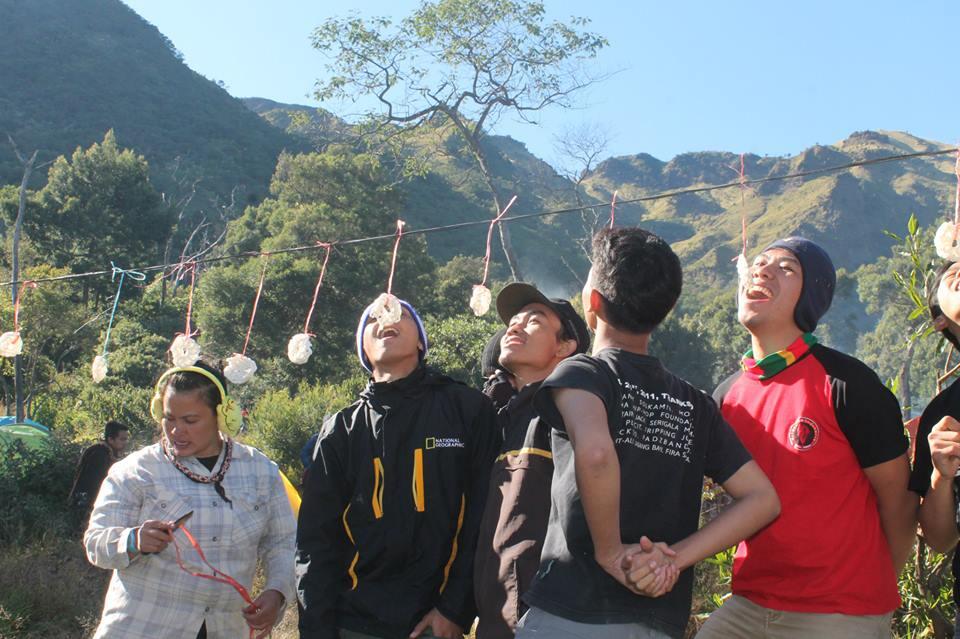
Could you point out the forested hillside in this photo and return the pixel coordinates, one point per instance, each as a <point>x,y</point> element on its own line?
<point>142,161</point>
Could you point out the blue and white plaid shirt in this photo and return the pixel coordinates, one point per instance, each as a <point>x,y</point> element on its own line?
<point>150,597</point>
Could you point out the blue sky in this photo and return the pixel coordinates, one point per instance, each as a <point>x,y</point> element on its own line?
<point>761,77</point>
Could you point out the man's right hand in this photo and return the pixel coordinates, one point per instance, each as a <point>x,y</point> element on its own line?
<point>650,568</point>
<point>153,536</point>
<point>645,568</point>
<point>944,442</point>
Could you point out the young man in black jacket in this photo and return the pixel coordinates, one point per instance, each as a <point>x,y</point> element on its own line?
<point>391,508</point>
<point>540,333</point>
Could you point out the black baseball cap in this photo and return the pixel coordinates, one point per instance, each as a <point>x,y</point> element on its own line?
<point>515,296</point>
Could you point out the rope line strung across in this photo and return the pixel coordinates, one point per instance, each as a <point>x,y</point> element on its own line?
<point>514,218</point>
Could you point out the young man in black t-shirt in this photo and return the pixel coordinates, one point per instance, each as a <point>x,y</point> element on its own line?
<point>937,454</point>
<point>631,445</point>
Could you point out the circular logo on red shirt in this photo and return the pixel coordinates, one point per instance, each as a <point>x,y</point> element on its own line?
<point>804,433</point>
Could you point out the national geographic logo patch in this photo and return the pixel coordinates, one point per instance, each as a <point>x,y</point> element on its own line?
<point>442,442</point>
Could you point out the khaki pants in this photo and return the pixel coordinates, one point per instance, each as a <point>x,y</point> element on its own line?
<point>740,618</point>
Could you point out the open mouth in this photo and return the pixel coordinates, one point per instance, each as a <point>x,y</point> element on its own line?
<point>389,332</point>
<point>758,293</point>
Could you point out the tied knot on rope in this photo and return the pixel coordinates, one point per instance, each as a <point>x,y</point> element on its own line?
<point>115,270</point>
<point>98,369</point>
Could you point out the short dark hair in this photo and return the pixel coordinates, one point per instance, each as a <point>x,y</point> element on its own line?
<point>638,275</point>
<point>933,303</point>
<point>112,428</point>
<point>187,381</point>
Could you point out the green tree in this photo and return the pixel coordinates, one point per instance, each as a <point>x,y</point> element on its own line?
<point>458,63</point>
<point>457,342</point>
<point>900,348</point>
<point>315,198</point>
<point>98,207</point>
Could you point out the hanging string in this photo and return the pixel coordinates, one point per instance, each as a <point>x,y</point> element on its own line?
<point>256,302</point>
<point>493,223</point>
<point>16,305</point>
<point>316,291</point>
<point>743,210</point>
<point>393,260</point>
<point>613,208</point>
<point>134,275</point>
<point>956,198</point>
<point>192,268</point>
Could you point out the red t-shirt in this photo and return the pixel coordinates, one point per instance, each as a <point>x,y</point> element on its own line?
<point>812,428</point>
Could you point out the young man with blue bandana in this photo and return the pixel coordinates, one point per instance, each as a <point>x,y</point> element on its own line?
<point>392,505</point>
<point>828,434</point>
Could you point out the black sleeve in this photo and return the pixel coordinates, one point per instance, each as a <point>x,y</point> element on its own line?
<point>867,412</point>
<point>581,372</point>
<point>457,601</point>
<point>721,391</point>
<point>725,454</point>
<point>946,403</point>
<point>922,462</point>
<point>322,543</point>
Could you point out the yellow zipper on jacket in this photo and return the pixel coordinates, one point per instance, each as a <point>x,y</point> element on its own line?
<point>356,557</point>
<point>377,499</point>
<point>453,549</point>
<point>419,500</point>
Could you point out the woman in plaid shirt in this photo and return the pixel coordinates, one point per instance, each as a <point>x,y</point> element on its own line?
<point>240,514</point>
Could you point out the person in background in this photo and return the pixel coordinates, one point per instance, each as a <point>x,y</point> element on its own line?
<point>94,465</point>
<point>497,382</point>
<point>539,334</point>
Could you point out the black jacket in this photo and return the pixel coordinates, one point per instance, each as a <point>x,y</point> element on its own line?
<point>514,523</point>
<point>91,471</point>
<point>392,506</point>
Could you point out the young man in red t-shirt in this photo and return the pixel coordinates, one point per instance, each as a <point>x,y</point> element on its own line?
<point>828,434</point>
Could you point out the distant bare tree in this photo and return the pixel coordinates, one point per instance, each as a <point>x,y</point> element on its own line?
<point>580,149</point>
<point>460,62</point>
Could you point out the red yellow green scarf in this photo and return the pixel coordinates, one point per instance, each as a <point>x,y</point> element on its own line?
<point>776,362</point>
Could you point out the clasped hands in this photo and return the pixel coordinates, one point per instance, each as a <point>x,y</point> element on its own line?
<point>647,568</point>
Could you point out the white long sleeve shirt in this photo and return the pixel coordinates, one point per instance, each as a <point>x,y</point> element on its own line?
<point>149,596</point>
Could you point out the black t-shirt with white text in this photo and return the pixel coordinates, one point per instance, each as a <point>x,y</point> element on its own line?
<point>668,435</point>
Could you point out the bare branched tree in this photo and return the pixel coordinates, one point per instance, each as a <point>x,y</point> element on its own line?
<point>579,149</point>
<point>460,62</point>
